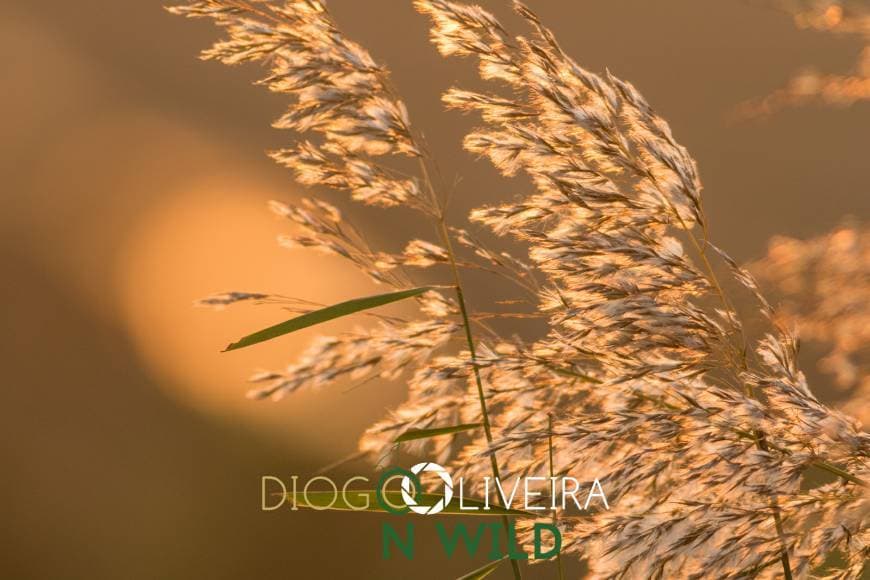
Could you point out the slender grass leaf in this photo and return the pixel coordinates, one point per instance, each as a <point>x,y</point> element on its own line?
<point>413,434</point>
<point>483,571</point>
<point>323,315</point>
<point>328,500</point>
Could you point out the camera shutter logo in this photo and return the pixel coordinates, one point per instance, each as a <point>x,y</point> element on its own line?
<point>441,503</point>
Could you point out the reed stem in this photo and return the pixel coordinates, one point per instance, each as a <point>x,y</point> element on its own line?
<point>487,429</point>
<point>552,476</point>
<point>444,234</point>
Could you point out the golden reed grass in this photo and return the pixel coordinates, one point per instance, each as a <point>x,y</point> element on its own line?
<point>707,435</point>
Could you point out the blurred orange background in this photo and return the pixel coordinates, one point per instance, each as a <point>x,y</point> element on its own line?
<point>134,183</point>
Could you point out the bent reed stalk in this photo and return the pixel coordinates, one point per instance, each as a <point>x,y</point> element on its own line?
<point>444,235</point>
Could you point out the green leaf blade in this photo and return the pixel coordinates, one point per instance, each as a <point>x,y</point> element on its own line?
<point>483,571</point>
<point>413,434</point>
<point>323,315</point>
<point>327,500</point>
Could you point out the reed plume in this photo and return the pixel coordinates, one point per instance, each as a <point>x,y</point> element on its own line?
<point>845,18</point>
<point>823,287</point>
<point>705,434</point>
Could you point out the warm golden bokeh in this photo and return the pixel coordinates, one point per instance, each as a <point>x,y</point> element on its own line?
<point>199,243</point>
